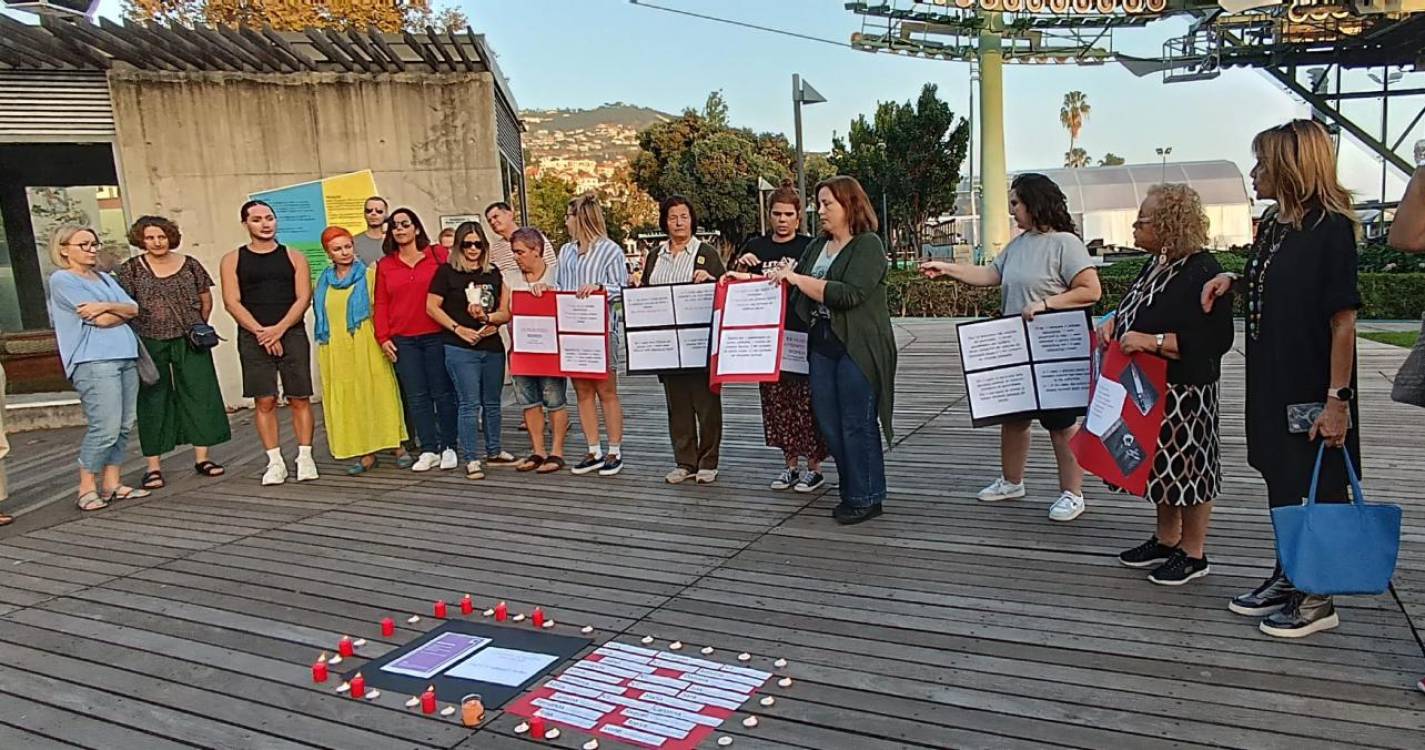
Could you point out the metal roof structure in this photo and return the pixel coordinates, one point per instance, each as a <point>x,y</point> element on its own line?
<point>1124,187</point>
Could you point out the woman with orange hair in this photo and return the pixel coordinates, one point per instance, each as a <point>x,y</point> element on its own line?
<point>361,402</point>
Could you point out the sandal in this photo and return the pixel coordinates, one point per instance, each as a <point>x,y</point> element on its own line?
<point>551,465</point>
<point>127,493</point>
<point>153,480</point>
<point>530,462</point>
<point>207,469</point>
<point>361,467</point>
<point>91,501</point>
<point>6,520</point>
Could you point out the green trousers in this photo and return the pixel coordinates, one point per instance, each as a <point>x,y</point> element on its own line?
<point>185,406</point>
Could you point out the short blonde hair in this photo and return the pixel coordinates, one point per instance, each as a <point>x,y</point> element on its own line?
<point>1179,221</point>
<point>61,237</point>
<point>457,255</point>
<point>588,219</point>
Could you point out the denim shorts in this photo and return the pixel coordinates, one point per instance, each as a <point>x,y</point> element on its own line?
<point>531,391</point>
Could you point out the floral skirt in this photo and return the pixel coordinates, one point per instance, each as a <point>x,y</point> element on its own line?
<point>787,418</point>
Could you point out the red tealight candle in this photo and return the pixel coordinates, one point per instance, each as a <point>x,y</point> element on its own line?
<point>319,669</point>
<point>536,617</point>
<point>502,612</point>
<point>536,727</point>
<point>358,686</point>
<point>388,627</point>
<point>440,608</point>
<point>428,701</point>
<point>344,647</point>
<point>467,606</point>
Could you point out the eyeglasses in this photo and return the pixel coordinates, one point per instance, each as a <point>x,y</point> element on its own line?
<point>1140,223</point>
<point>472,244</point>
<point>402,224</point>
<point>92,247</point>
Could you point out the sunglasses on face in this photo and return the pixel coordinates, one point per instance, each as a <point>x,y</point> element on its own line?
<point>472,244</point>
<point>402,224</point>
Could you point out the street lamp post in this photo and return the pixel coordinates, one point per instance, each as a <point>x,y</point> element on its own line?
<point>802,93</point>
<point>763,187</point>
<point>1163,153</point>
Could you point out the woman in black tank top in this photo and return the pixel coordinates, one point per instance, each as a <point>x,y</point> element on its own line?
<point>267,282</point>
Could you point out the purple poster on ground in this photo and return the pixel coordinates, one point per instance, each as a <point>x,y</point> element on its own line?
<point>436,656</point>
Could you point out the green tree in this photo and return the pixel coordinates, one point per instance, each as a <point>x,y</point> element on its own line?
<point>714,165</point>
<point>1111,159</point>
<point>908,158</point>
<point>1077,158</point>
<point>1073,114</point>
<point>284,15</point>
<point>549,197</point>
<point>818,168</point>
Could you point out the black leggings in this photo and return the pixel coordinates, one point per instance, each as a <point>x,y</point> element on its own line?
<point>1291,489</point>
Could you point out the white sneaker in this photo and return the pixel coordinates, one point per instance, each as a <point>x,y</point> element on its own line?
<point>306,469</point>
<point>473,470</point>
<point>1001,489</point>
<point>707,476</point>
<point>426,462</point>
<point>1068,507</point>
<point>276,474</point>
<point>448,459</point>
<point>677,476</point>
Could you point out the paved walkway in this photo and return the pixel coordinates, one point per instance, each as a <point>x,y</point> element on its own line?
<point>191,619</point>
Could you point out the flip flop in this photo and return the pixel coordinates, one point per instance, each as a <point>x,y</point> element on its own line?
<point>530,462</point>
<point>90,501</point>
<point>551,465</point>
<point>127,493</point>
<point>207,469</point>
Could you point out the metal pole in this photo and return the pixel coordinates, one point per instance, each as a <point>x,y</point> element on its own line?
<point>762,211</point>
<point>994,173</point>
<point>973,203</point>
<point>801,165</point>
<point>1384,137</point>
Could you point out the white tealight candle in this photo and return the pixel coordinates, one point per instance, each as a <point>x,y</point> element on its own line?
<point>785,682</point>
<point>413,619</point>
<point>707,650</point>
<point>521,728</point>
<point>744,656</point>
<point>749,722</point>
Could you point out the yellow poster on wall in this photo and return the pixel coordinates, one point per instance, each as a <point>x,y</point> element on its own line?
<point>306,209</point>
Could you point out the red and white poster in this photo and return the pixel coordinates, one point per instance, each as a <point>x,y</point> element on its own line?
<point>1119,437</point>
<point>643,697</point>
<point>748,328</point>
<point>559,335</point>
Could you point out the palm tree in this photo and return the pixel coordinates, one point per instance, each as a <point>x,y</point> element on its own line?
<point>1076,158</point>
<point>1073,114</point>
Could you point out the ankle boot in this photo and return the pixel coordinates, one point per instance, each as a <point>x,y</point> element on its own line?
<point>1303,615</point>
<point>1272,595</point>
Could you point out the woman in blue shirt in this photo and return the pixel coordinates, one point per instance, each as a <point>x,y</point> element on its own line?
<point>100,355</point>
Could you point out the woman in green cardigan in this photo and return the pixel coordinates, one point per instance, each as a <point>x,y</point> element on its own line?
<point>840,287</point>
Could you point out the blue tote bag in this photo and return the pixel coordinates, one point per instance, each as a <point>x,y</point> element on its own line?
<point>1338,548</point>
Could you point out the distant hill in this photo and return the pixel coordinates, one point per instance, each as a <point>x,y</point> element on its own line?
<point>617,113</point>
<point>586,146</point>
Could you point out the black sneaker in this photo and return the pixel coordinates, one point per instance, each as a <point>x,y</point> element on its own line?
<point>1272,595</point>
<point>590,463</point>
<point>810,481</point>
<point>852,516</point>
<point>1180,569</point>
<point>1149,553</point>
<point>1303,615</point>
<point>612,465</point>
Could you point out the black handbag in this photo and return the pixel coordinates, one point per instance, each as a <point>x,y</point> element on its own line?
<point>202,336</point>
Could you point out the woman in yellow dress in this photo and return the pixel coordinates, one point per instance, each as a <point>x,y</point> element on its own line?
<point>361,402</point>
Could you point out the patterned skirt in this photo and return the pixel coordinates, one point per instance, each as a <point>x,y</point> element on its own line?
<point>787,418</point>
<point>1186,470</point>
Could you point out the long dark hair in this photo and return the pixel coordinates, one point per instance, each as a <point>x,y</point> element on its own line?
<point>1048,207</point>
<point>389,246</point>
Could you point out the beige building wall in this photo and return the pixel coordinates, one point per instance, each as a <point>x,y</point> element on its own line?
<point>193,146</point>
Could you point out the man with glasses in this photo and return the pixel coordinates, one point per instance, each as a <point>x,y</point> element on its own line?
<point>368,243</point>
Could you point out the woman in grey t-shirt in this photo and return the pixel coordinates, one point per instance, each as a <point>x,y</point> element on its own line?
<point>1045,268</point>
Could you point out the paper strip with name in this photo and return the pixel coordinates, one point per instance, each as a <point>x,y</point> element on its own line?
<point>992,343</point>
<point>1059,335</point>
<point>581,315</point>
<point>693,303</point>
<point>641,651</point>
<point>653,350</point>
<point>794,352</point>
<point>557,704</point>
<point>1006,391</point>
<point>648,306</point>
<point>755,303</point>
<point>535,334</point>
<point>1107,406</point>
<point>570,719</point>
<point>1063,385</point>
<point>583,353</point>
<point>663,729</point>
<point>747,351</point>
<point>632,735</point>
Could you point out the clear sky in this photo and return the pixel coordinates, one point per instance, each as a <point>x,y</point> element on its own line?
<point>582,53</point>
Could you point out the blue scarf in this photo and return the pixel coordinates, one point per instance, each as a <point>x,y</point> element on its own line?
<point>358,305</point>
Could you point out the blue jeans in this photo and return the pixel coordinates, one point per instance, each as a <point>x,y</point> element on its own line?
<point>479,376</point>
<point>425,386</point>
<point>108,392</point>
<point>845,408</point>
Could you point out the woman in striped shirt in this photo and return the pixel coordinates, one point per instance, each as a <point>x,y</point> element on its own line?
<point>590,263</point>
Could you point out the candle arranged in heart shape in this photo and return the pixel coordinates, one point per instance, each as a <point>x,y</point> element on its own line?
<point>319,669</point>
<point>439,609</point>
<point>358,686</point>
<point>467,605</point>
<point>428,700</point>
<point>344,647</point>
<point>536,618</point>
<point>388,627</point>
<point>502,612</point>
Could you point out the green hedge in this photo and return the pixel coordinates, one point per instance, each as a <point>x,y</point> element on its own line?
<point>1387,296</point>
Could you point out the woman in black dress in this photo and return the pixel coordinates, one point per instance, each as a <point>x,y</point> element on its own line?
<point>1161,315</point>
<point>1301,346</point>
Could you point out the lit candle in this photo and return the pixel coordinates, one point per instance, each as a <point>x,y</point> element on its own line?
<point>358,686</point>
<point>536,618</point>
<point>319,670</point>
<point>428,700</point>
<point>344,648</point>
<point>388,627</point>
<point>440,609</point>
<point>467,606</point>
<point>502,612</point>
<point>536,727</point>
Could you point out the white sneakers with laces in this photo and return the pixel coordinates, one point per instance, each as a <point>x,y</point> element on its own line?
<point>448,459</point>
<point>1068,507</point>
<point>426,462</point>
<point>276,474</point>
<point>1001,489</point>
<point>306,469</point>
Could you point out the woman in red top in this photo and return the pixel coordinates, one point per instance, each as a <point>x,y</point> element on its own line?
<point>412,340</point>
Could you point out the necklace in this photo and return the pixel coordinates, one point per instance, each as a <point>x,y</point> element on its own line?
<point>1267,246</point>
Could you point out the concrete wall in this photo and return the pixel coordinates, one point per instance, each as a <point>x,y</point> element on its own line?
<point>192,146</point>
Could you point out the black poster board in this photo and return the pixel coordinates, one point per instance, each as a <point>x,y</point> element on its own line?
<point>452,689</point>
<point>1014,368</point>
<point>667,328</point>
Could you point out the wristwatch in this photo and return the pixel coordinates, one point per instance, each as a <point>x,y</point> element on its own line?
<point>1341,394</point>
<point>1161,339</point>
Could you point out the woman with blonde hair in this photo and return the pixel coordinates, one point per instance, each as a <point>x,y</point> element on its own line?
<point>361,402</point>
<point>1161,315</point>
<point>469,299</point>
<point>591,262</point>
<point>100,354</point>
<point>1301,346</point>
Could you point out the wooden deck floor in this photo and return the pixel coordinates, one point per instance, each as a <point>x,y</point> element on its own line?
<point>190,620</point>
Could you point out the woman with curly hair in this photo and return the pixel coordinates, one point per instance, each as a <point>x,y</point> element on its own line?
<point>1045,268</point>
<point>1161,315</point>
<point>185,406</point>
